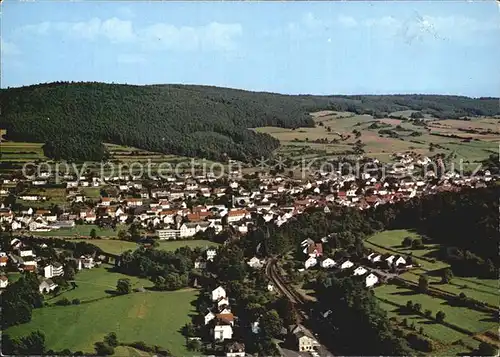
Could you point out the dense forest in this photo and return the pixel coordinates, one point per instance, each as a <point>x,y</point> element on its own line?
<point>349,301</point>
<point>74,119</point>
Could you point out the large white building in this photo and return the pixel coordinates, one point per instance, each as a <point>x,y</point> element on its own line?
<point>186,230</point>
<point>52,270</point>
<point>223,332</point>
<point>167,234</point>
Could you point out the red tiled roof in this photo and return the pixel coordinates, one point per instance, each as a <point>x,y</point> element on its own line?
<point>318,247</point>
<point>229,317</point>
<point>237,213</point>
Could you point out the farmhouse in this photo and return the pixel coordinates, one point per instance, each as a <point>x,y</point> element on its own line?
<point>236,215</point>
<point>134,202</point>
<point>188,230</point>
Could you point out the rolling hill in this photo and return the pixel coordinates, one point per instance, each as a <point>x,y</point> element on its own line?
<point>75,119</point>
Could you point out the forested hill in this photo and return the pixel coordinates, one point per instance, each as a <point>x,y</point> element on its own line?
<point>74,119</point>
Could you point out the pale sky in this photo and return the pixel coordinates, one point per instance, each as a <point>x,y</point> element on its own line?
<point>443,47</point>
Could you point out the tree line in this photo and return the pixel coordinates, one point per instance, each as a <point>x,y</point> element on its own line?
<point>167,270</point>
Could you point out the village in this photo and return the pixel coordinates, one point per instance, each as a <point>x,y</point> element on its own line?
<point>201,207</point>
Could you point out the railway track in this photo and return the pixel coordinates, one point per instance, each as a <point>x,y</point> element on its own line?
<point>283,288</point>
<point>296,298</point>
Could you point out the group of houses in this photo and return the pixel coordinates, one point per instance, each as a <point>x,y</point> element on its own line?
<point>373,268</point>
<point>219,322</point>
<point>20,257</point>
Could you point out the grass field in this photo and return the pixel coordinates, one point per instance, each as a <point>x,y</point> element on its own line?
<point>173,245</point>
<point>479,289</point>
<point>464,317</point>
<point>485,290</point>
<point>152,317</point>
<point>84,230</point>
<point>394,297</point>
<point>126,351</point>
<point>390,242</point>
<point>435,331</point>
<point>98,283</point>
<point>113,246</point>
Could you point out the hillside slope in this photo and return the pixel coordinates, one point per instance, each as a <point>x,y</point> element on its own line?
<point>74,119</point>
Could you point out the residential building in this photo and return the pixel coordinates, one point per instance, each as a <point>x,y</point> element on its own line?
<point>304,339</point>
<point>3,259</point>
<point>346,265</point>
<point>218,293</point>
<point>211,253</point>
<point>255,263</point>
<point>371,280</point>
<point>360,271</point>
<point>209,317</point>
<point>4,281</point>
<point>235,349</point>
<point>310,262</point>
<point>327,263</point>
<point>52,270</point>
<point>223,332</point>
<point>168,234</point>
<point>47,286</point>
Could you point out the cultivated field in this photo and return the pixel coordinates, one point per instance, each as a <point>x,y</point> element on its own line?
<point>333,135</point>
